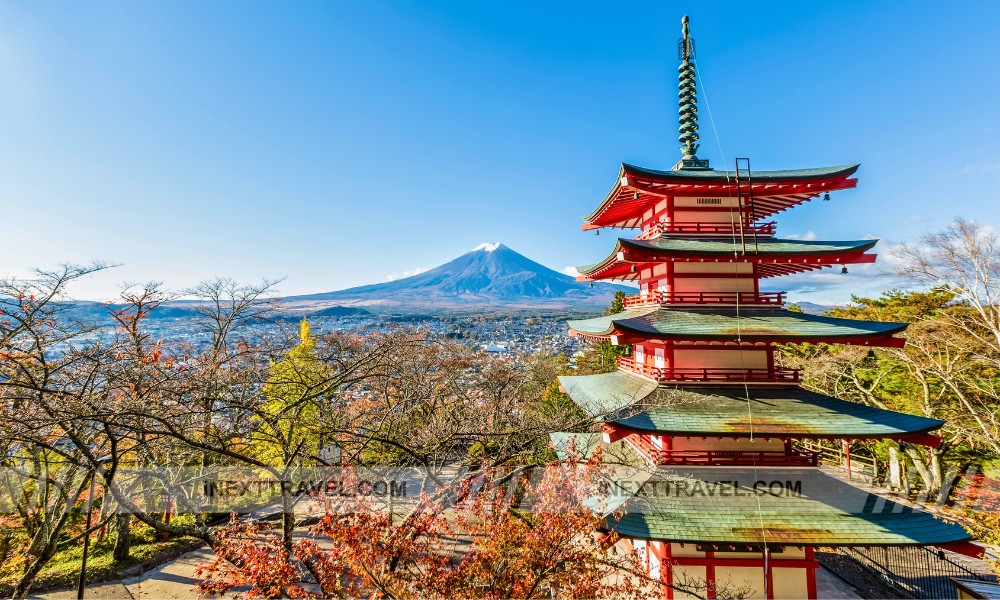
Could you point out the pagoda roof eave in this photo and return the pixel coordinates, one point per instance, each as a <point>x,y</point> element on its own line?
<point>721,505</point>
<point>725,246</point>
<point>784,176</point>
<point>747,324</point>
<point>811,508</point>
<point>637,188</point>
<point>637,404</point>
<point>799,254</point>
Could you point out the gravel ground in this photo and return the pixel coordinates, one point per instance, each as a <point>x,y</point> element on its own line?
<point>868,583</point>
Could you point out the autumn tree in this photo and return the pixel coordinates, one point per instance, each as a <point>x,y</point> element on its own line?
<point>149,420</point>
<point>289,402</point>
<point>500,537</point>
<point>49,373</point>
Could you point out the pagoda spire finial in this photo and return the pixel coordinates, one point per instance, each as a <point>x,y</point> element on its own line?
<point>688,100</point>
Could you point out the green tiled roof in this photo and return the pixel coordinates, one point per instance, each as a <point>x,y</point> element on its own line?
<point>747,505</point>
<point>724,247</point>
<point>640,404</point>
<point>724,323</point>
<point>758,176</point>
<point>599,395</point>
<point>789,506</point>
<point>619,462</point>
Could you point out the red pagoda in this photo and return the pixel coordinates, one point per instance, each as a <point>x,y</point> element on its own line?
<point>730,499</point>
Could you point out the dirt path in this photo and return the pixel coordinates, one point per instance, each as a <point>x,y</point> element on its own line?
<point>169,581</point>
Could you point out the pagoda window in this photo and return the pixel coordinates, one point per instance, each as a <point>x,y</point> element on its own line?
<point>659,358</point>
<point>640,354</point>
<point>681,202</point>
<point>657,441</point>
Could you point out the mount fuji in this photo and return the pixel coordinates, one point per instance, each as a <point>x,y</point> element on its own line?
<point>490,276</point>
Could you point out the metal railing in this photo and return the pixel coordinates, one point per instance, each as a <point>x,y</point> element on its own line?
<point>770,458</point>
<point>656,297</point>
<point>864,468</point>
<point>760,229</point>
<point>714,375</point>
<point>917,571</point>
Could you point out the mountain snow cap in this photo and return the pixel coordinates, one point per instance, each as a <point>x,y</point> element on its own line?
<point>487,247</point>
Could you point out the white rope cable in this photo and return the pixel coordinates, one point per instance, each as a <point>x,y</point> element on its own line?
<point>739,334</point>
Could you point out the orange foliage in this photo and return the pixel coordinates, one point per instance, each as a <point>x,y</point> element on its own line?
<point>488,537</point>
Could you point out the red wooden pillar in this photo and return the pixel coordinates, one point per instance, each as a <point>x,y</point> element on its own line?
<point>811,574</point>
<point>847,457</point>
<point>710,575</point>
<point>768,575</point>
<point>667,572</point>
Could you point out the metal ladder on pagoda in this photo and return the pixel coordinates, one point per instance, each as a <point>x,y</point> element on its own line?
<point>744,180</point>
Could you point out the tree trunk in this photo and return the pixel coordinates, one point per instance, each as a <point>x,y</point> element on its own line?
<point>105,505</point>
<point>31,572</point>
<point>287,521</point>
<point>894,480</point>
<point>932,483</point>
<point>936,469</point>
<point>122,542</point>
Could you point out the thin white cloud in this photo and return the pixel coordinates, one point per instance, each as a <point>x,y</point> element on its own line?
<point>410,273</point>
<point>915,220</point>
<point>831,286</point>
<point>571,271</point>
<point>808,236</point>
<point>981,167</point>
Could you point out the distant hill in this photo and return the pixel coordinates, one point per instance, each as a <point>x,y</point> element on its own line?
<point>489,277</point>
<point>811,308</point>
<point>340,311</point>
<point>100,311</point>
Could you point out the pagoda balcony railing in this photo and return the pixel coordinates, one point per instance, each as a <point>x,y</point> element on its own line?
<point>709,374</point>
<point>749,229</point>
<point>766,458</point>
<point>773,299</point>
<point>736,457</point>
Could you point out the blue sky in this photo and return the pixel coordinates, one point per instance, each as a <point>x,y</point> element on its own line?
<point>343,143</point>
